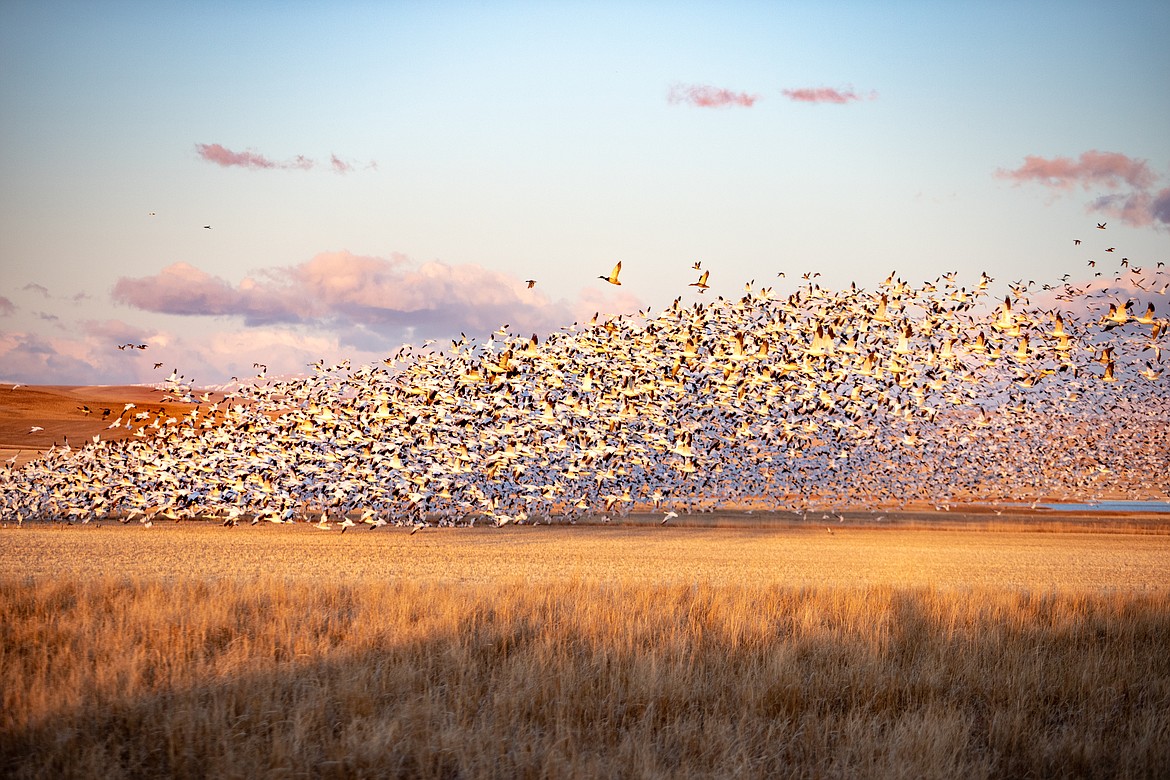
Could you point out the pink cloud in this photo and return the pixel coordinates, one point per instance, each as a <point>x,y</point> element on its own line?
<point>1091,169</point>
<point>824,95</point>
<point>227,158</point>
<point>335,305</point>
<point>709,97</point>
<point>1108,171</point>
<point>90,355</point>
<point>62,359</point>
<point>365,299</point>
<point>179,289</point>
<point>6,307</point>
<point>28,357</point>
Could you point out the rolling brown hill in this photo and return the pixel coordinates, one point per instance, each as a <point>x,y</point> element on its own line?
<point>70,414</point>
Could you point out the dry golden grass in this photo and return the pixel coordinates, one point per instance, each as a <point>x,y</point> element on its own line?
<point>129,677</point>
<point>582,652</point>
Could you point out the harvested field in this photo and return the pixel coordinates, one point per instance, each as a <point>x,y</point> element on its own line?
<point>783,555</point>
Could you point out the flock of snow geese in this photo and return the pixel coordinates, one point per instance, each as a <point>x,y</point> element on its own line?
<point>817,399</point>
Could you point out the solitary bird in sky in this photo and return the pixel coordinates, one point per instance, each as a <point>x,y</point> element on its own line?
<point>702,283</point>
<point>613,275</point>
<point>1076,242</point>
<point>530,282</point>
<point>207,227</point>
<point>1101,225</point>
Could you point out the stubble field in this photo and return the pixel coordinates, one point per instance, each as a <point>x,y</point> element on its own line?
<point>632,651</point>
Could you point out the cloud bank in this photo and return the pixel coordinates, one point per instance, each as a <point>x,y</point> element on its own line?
<point>334,306</point>
<point>226,158</point>
<point>365,299</point>
<point>705,96</point>
<point>58,358</point>
<point>1109,173</point>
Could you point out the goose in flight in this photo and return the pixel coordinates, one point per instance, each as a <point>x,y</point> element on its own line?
<point>702,283</point>
<point>613,275</point>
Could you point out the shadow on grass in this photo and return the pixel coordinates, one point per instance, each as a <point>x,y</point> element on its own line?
<point>694,685</point>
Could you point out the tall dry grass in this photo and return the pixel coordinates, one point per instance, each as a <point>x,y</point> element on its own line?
<point>225,678</point>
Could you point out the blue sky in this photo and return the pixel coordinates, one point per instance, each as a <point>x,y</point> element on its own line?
<point>381,172</point>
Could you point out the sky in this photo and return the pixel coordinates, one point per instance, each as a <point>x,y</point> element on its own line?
<point>282,183</point>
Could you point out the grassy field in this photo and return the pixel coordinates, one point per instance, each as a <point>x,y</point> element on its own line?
<point>583,652</point>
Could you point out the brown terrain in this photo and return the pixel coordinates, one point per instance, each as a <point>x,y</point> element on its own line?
<point>69,414</point>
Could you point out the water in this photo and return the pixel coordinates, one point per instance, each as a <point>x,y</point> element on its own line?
<point>1112,506</point>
